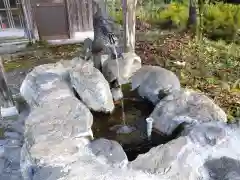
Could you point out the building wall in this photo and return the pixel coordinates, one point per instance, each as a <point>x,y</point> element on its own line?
<point>78,17</point>
<point>11,19</point>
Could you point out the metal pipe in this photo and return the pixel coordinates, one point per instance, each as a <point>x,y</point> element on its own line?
<point>27,25</point>
<point>10,14</point>
<point>7,12</point>
<point>1,22</point>
<point>20,15</point>
<point>149,127</point>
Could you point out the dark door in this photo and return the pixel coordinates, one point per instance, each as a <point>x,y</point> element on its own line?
<point>51,19</point>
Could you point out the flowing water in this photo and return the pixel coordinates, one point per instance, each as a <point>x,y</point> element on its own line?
<point>118,76</point>
<point>111,126</point>
<point>124,128</point>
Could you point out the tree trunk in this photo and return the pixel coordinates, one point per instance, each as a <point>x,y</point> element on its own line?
<point>6,99</point>
<point>129,20</point>
<point>200,8</point>
<point>192,16</point>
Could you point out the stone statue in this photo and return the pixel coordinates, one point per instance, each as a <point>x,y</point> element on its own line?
<point>104,37</point>
<point>105,41</point>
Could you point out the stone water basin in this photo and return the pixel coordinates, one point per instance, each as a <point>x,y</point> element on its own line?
<point>136,111</point>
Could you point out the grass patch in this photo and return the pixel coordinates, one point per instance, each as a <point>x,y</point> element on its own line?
<point>41,54</point>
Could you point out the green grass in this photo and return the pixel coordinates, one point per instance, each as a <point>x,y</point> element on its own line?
<point>41,54</point>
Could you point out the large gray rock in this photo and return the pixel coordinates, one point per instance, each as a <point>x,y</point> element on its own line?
<point>54,134</point>
<point>92,88</point>
<point>159,159</point>
<point>112,151</point>
<point>57,128</point>
<point>39,160</point>
<point>44,83</point>
<point>66,117</point>
<point>190,158</point>
<point>208,133</point>
<point>154,82</point>
<point>49,81</point>
<point>223,168</point>
<point>90,168</point>
<point>185,106</point>
<point>127,65</point>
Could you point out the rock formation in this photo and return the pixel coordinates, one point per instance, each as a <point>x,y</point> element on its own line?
<point>154,83</point>
<point>58,131</point>
<point>92,88</point>
<point>185,106</point>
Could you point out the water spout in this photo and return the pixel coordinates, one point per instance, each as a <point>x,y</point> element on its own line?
<point>149,127</point>
<point>91,135</point>
<point>121,129</point>
<point>88,133</point>
<point>118,77</point>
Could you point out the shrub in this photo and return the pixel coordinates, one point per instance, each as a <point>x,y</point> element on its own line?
<point>116,15</point>
<point>115,10</point>
<point>222,21</point>
<point>175,15</point>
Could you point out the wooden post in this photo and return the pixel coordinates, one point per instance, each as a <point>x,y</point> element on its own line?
<point>7,105</point>
<point>129,20</point>
<point>192,14</point>
<point>6,99</point>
